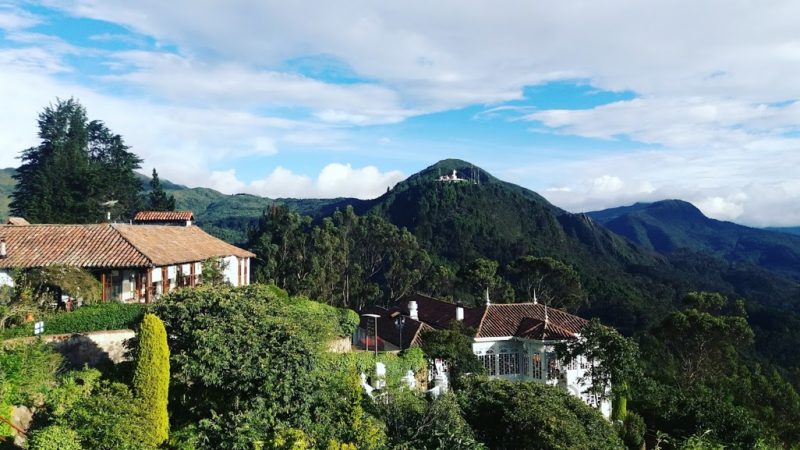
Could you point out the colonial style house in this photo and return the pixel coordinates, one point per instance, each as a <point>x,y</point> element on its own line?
<point>514,341</point>
<point>134,263</point>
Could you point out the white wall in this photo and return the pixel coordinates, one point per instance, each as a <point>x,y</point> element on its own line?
<point>231,270</point>
<point>5,278</point>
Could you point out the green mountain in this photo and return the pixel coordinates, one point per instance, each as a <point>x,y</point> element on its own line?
<point>789,230</point>
<point>671,225</point>
<point>225,216</point>
<point>628,284</point>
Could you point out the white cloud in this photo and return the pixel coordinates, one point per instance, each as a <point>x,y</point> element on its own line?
<point>334,180</point>
<point>720,208</point>
<point>13,18</point>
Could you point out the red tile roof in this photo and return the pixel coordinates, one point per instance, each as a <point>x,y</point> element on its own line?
<point>525,320</point>
<point>109,245</point>
<point>163,216</point>
<point>509,319</point>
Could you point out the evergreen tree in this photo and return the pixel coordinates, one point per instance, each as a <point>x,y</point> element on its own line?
<point>158,199</point>
<point>151,378</point>
<point>77,167</point>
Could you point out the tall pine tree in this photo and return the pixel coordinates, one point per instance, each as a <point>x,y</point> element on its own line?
<point>78,171</point>
<point>158,199</point>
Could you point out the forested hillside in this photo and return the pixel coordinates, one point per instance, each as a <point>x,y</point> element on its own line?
<point>671,225</point>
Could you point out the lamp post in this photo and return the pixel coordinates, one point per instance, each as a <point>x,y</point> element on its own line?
<point>375,317</point>
<point>399,322</point>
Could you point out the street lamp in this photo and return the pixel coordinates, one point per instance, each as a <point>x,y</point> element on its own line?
<point>375,317</point>
<point>399,322</point>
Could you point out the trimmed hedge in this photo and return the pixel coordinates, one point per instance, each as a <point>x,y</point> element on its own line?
<point>103,316</point>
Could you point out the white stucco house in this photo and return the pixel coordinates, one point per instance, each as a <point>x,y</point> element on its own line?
<point>134,262</point>
<point>514,341</point>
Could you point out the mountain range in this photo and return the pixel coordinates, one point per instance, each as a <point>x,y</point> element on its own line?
<point>487,217</point>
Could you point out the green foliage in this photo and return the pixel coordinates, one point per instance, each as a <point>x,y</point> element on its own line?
<point>669,225</point>
<point>615,362</point>
<point>240,369</point>
<point>347,260</point>
<point>102,316</point>
<point>529,415</point>
<point>48,283</point>
<point>339,413</point>
<point>151,377</point>
<point>77,166</point>
<point>157,199</point>
<point>213,271</point>
<point>455,346</point>
<point>632,431</point>
<point>701,343</point>
<point>364,362</point>
<point>28,372</point>
<point>480,278</point>
<point>552,282</point>
<point>54,437</point>
<point>72,387</point>
<point>109,419</point>
<point>416,423</point>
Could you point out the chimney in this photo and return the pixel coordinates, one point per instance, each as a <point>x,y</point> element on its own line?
<point>108,216</point>
<point>413,312</point>
<point>535,300</point>
<point>486,297</point>
<point>3,250</point>
<point>459,313</point>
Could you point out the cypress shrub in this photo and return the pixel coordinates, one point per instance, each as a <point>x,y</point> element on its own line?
<point>54,437</point>
<point>151,377</point>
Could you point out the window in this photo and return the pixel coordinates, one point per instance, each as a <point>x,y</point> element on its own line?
<point>490,363</point>
<point>536,365</point>
<point>509,363</point>
<point>552,366</point>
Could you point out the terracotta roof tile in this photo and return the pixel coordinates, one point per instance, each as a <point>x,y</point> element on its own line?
<point>508,320</point>
<point>163,216</point>
<point>164,244</point>
<point>497,320</point>
<point>87,246</point>
<point>109,245</point>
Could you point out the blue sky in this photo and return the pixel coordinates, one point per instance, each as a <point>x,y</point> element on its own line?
<point>591,105</point>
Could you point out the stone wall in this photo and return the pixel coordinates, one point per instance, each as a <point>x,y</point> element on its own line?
<point>94,349</point>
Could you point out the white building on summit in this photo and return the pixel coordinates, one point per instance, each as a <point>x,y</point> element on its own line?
<point>453,178</point>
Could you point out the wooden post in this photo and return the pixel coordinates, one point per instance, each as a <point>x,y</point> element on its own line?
<point>164,280</point>
<point>192,274</point>
<point>148,288</point>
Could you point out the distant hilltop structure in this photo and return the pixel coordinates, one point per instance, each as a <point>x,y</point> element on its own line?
<point>453,178</point>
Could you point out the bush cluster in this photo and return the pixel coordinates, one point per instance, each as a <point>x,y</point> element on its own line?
<point>104,316</point>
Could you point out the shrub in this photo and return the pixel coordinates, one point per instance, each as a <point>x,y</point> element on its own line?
<point>151,377</point>
<point>506,414</point>
<point>109,419</point>
<point>103,316</point>
<point>54,437</point>
<point>28,372</point>
<point>632,431</point>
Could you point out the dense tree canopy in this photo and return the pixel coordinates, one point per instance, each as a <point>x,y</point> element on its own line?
<point>78,172</point>
<point>157,199</point>
<point>347,260</point>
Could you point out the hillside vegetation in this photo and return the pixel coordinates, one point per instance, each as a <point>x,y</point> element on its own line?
<point>671,225</point>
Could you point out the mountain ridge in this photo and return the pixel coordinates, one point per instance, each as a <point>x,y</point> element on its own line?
<point>670,225</point>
